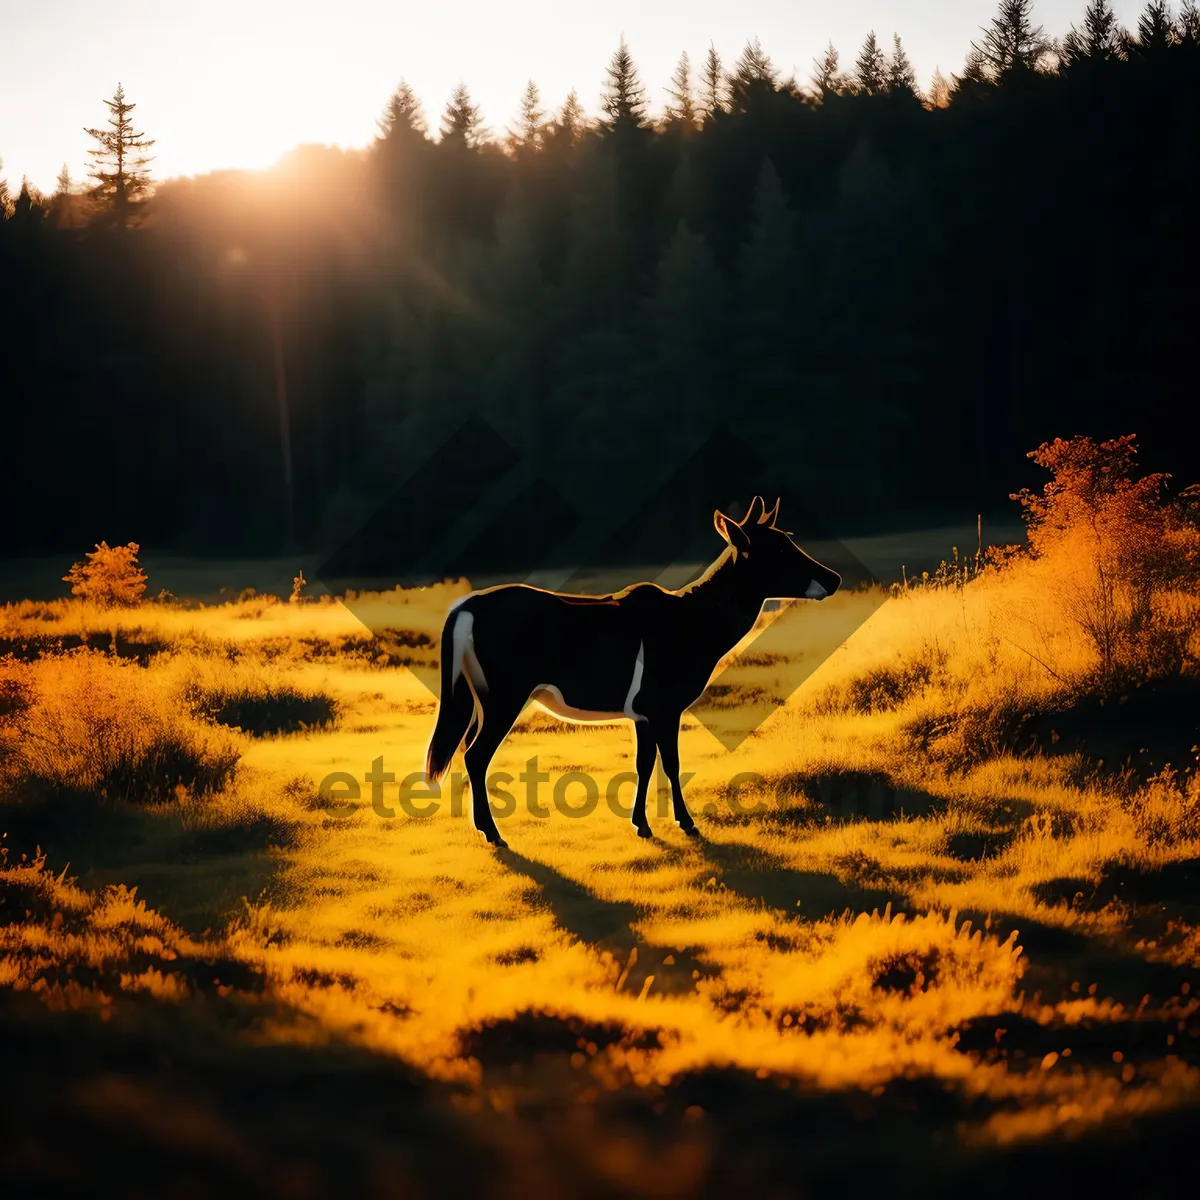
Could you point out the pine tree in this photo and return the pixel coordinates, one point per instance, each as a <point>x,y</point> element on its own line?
<point>571,122</point>
<point>870,68</point>
<point>828,79</point>
<point>29,206</point>
<point>682,319</point>
<point>753,76</point>
<point>1012,46</point>
<point>402,118</point>
<point>712,86</point>
<point>462,122</point>
<point>1189,23</point>
<point>939,90</point>
<point>686,197</point>
<point>1156,31</point>
<point>64,199</point>
<point>4,201</point>
<point>1099,40</point>
<point>681,108</point>
<point>514,290</point>
<point>531,121</point>
<point>974,77</point>
<point>767,291</point>
<point>901,78</point>
<point>121,150</point>
<point>624,99</point>
<point>597,317</point>
<point>400,158</point>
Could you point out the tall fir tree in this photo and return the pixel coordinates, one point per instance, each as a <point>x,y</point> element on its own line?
<point>1012,46</point>
<point>766,294</point>
<point>939,90</point>
<point>681,100</point>
<point>686,197</point>
<point>683,321</point>
<point>901,78</point>
<point>570,117</point>
<point>29,206</point>
<point>1188,23</point>
<point>530,128</point>
<point>517,324</point>
<point>870,68</point>
<point>624,98</point>
<point>462,121</point>
<point>402,117</point>
<point>754,77</point>
<point>64,200</point>
<point>1099,40</point>
<point>121,168</point>
<point>974,78</point>
<point>1156,31</point>
<point>400,159</point>
<point>827,78</point>
<point>713,93</point>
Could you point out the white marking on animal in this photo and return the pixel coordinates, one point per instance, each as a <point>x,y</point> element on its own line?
<point>635,685</point>
<point>464,653</point>
<point>815,591</point>
<point>551,699</point>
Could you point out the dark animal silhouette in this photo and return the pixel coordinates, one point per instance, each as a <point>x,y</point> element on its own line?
<point>644,654</point>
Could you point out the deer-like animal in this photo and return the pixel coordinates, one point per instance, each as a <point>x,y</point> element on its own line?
<point>644,655</point>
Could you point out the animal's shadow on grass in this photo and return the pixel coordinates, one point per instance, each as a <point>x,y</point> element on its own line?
<point>607,926</point>
<point>760,877</point>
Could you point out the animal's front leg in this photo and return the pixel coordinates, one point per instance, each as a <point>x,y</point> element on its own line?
<point>646,752</point>
<point>668,748</point>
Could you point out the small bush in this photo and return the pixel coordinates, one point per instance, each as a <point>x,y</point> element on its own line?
<point>1126,566</point>
<point>108,728</point>
<point>1167,809</point>
<point>109,576</point>
<point>886,687</point>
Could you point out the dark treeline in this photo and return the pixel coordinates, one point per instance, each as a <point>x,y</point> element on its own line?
<point>890,295</point>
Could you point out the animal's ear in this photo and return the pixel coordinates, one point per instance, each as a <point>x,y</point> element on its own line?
<point>755,512</point>
<point>731,531</point>
<point>768,518</point>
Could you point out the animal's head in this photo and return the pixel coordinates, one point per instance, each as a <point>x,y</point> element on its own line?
<point>771,564</point>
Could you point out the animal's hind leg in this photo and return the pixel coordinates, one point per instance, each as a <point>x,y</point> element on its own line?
<point>495,720</point>
<point>668,749</point>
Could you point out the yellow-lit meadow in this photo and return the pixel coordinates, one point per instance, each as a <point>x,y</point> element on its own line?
<point>900,890</point>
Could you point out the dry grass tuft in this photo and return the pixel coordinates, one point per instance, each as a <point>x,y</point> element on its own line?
<point>89,724</point>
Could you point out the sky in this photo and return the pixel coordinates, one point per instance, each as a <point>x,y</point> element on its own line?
<point>237,83</point>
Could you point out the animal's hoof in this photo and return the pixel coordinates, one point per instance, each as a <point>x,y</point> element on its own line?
<point>494,839</point>
<point>692,831</point>
<point>643,831</point>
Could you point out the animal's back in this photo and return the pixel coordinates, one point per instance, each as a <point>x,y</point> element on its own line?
<point>580,651</point>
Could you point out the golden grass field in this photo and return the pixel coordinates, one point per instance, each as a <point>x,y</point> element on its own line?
<point>947,936</point>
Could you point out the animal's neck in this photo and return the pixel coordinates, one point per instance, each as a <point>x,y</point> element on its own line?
<point>730,608</point>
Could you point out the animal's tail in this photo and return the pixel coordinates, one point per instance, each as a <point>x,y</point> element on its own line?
<point>456,706</point>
